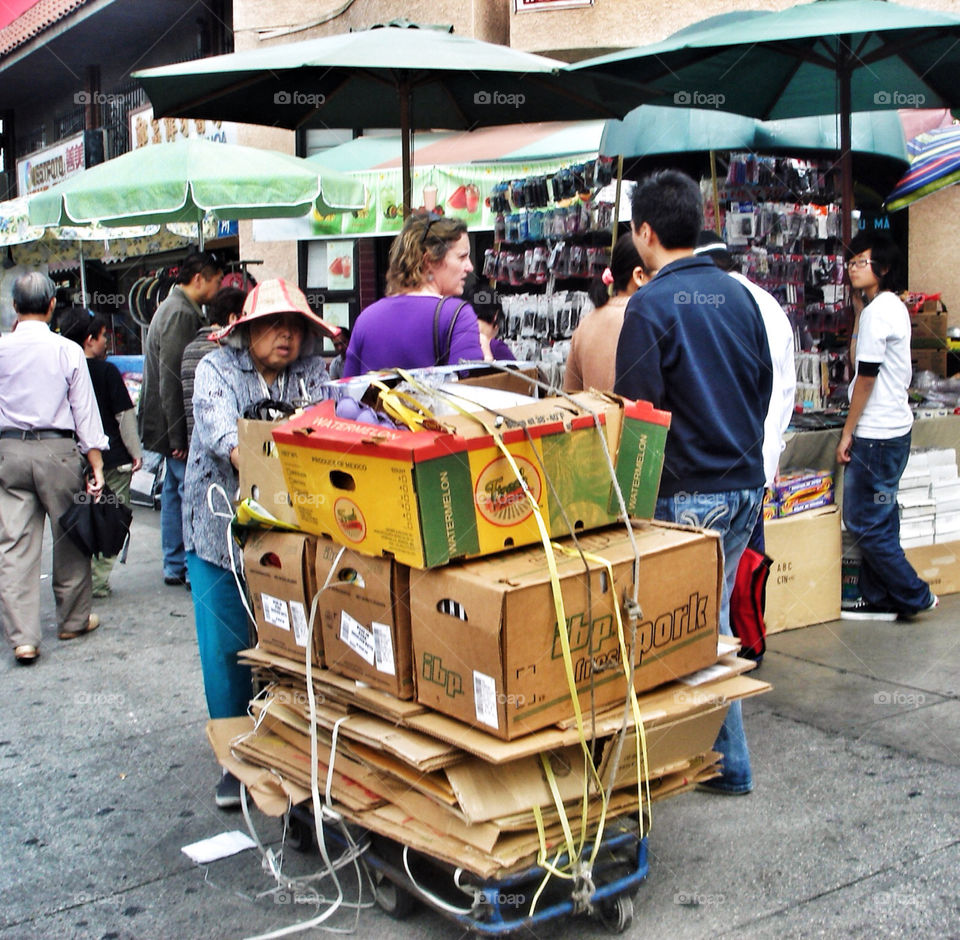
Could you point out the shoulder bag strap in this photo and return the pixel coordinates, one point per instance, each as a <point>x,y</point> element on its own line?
<point>449,339</point>
<point>436,334</point>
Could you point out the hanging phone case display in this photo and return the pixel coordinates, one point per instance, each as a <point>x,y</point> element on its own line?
<point>548,229</point>
<point>781,220</point>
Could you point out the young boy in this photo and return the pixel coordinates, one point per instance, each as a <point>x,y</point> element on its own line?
<point>117,414</point>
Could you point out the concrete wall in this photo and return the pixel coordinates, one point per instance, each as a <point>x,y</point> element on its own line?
<point>935,248</point>
<point>578,32</point>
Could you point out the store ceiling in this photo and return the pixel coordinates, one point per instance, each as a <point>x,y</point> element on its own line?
<point>119,36</point>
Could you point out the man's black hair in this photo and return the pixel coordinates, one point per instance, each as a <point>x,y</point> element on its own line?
<point>670,203</point>
<point>204,263</point>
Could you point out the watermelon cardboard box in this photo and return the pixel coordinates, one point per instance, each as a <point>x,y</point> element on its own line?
<point>429,497</point>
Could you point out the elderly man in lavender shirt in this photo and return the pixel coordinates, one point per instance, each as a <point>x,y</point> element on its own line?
<point>48,418</point>
<point>421,322</point>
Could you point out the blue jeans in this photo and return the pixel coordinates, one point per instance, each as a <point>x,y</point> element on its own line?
<point>733,514</point>
<point>870,483</point>
<point>222,631</point>
<point>171,519</point>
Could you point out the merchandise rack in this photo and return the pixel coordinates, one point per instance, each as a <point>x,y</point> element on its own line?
<point>401,878</point>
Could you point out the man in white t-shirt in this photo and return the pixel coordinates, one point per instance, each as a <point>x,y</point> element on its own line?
<point>875,442</point>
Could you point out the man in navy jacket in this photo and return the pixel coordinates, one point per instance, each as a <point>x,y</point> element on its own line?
<point>693,343</point>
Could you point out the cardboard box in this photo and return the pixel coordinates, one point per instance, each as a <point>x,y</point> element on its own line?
<point>364,616</point>
<point>261,474</point>
<point>804,583</point>
<point>928,331</point>
<point>429,497</point>
<point>933,360</point>
<point>938,565</point>
<point>486,645</point>
<point>279,569</point>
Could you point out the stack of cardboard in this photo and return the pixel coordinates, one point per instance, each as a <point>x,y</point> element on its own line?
<point>453,791</point>
<point>446,692</point>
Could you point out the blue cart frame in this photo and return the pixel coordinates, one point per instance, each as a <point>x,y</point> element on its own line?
<point>621,865</point>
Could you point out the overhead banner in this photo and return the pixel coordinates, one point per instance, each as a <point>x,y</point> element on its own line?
<point>459,191</point>
<point>145,129</point>
<point>46,168</point>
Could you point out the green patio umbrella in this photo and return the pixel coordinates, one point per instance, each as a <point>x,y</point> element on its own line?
<point>820,58</point>
<point>185,180</point>
<point>652,129</point>
<point>385,77</point>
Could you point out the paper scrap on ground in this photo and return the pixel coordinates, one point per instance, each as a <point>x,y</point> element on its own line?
<point>219,846</point>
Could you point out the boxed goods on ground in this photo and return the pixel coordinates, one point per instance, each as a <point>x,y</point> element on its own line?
<point>364,618</point>
<point>938,565</point>
<point>261,474</point>
<point>279,569</point>
<point>431,496</point>
<point>932,360</point>
<point>804,583</point>
<point>928,331</point>
<point>487,649</point>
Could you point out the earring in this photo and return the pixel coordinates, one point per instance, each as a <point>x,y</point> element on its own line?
<point>429,277</point>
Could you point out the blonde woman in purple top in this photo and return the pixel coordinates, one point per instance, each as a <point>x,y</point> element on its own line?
<point>429,260</point>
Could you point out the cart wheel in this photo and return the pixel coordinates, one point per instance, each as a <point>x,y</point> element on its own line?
<point>616,914</point>
<point>299,835</point>
<point>390,897</point>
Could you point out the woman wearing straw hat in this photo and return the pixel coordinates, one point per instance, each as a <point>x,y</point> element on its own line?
<point>421,322</point>
<point>267,354</point>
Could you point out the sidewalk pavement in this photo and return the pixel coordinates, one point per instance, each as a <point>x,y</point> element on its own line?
<point>853,829</point>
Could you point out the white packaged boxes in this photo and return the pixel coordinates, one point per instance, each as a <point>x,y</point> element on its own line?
<point>929,498</point>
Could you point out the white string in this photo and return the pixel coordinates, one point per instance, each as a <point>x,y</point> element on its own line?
<point>213,490</point>
<point>333,756</point>
<point>439,902</point>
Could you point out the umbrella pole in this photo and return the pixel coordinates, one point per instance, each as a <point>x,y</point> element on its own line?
<point>200,231</point>
<point>404,93</point>
<point>83,279</point>
<point>846,154</point>
<point>616,210</point>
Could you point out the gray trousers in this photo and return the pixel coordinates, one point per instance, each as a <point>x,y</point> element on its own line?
<point>38,479</point>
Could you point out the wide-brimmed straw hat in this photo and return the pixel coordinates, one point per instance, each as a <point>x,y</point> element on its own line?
<point>277,296</point>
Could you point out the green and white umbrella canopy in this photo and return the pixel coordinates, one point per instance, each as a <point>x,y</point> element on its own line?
<point>188,179</point>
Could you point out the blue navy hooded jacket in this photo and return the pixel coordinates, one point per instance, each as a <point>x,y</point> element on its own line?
<point>693,343</point>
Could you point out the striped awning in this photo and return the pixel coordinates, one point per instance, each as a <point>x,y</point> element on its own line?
<point>934,165</point>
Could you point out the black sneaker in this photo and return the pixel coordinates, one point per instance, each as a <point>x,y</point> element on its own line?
<point>863,610</point>
<point>228,791</point>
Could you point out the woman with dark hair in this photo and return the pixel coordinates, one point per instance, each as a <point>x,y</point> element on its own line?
<point>489,313</point>
<point>875,442</point>
<point>269,353</point>
<point>420,322</point>
<point>593,347</point>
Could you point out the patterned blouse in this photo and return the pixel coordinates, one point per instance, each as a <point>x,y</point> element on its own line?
<point>226,384</point>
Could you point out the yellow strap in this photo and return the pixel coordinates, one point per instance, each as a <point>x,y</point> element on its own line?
<point>643,777</point>
<point>406,409</point>
<point>249,513</point>
<point>591,775</point>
